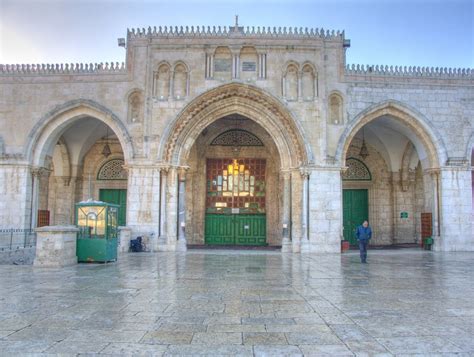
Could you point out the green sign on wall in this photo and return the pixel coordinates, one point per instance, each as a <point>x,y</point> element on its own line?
<point>403,214</point>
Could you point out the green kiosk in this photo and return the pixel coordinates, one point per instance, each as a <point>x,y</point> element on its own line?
<point>98,227</point>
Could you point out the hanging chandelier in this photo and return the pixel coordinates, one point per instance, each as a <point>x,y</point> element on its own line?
<point>363,153</point>
<point>106,150</point>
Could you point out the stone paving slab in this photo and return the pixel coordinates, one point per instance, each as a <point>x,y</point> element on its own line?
<point>405,302</point>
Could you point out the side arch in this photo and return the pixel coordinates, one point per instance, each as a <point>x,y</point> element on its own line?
<point>410,118</point>
<point>48,128</point>
<point>235,98</point>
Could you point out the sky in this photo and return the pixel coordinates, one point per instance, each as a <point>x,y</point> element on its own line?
<point>438,33</point>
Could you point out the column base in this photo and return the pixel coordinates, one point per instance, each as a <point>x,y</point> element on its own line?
<point>181,246</point>
<point>286,245</point>
<point>305,247</point>
<point>296,245</point>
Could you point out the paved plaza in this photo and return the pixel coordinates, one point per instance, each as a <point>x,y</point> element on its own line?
<point>243,303</point>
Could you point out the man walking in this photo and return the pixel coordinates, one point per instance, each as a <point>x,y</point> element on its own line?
<point>363,235</point>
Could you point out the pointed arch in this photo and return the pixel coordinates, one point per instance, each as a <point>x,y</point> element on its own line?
<point>408,117</point>
<point>235,98</point>
<point>50,126</point>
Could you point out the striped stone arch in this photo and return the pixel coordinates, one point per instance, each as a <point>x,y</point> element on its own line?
<point>242,99</point>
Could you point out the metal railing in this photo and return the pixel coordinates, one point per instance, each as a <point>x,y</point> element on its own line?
<point>14,239</point>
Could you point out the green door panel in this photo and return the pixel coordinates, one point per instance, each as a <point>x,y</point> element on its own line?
<point>119,197</point>
<point>235,229</point>
<point>250,229</point>
<point>219,229</point>
<point>355,210</point>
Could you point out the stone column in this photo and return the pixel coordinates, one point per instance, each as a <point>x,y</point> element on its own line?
<point>181,210</point>
<point>143,202</point>
<point>163,225</point>
<point>304,211</point>
<point>325,210</point>
<point>286,242</point>
<point>36,174</point>
<point>435,181</point>
<point>455,207</point>
<point>262,63</point>
<point>172,209</point>
<point>235,62</point>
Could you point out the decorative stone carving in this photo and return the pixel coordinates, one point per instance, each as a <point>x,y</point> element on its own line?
<point>112,170</point>
<point>356,171</point>
<point>237,138</point>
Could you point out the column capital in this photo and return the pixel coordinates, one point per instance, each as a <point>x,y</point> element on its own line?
<point>39,171</point>
<point>305,172</point>
<point>285,174</point>
<point>182,173</point>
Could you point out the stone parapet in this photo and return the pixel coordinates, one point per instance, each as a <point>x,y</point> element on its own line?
<point>56,246</point>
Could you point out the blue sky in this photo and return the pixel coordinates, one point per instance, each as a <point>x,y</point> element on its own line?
<point>392,32</point>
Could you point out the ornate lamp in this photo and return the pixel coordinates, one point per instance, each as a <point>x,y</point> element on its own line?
<point>106,150</point>
<point>363,153</point>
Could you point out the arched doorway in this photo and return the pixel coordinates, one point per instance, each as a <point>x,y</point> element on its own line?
<point>187,148</point>
<point>233,185</point>
<point>393,176</point>
<point>78,154</point>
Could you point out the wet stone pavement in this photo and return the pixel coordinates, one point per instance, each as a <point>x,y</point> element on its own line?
<point>404,302</point>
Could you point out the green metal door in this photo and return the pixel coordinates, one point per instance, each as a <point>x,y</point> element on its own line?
<point>355,210</point>
<point>235,202</point>
<point>118,197</point>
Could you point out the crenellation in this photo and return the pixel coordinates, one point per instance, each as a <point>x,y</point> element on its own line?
<point>62,68</point>
<point>410,71</point>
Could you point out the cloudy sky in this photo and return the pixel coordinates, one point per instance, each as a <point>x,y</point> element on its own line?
<point>393,32</point>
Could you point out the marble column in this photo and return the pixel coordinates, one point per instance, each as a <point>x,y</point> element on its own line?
<point>181,209</point>
<point>172,208</point>
<point>286,242</point>
<point>304,211</point>
<point>164,175</point>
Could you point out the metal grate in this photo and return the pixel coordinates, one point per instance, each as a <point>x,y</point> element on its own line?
<point>235,184</point>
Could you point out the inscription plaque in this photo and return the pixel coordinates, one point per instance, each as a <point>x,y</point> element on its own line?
<point>249,66</point>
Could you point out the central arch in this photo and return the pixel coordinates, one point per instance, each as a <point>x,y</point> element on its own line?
<point>201,115</point>
<point>241,99</point>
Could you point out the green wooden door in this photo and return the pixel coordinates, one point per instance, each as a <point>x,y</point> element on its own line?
<point>355,210</point>
<point>235,229</point>
<point>119,197</point>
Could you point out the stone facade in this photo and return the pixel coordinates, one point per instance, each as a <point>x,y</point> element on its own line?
<point>182,87</point>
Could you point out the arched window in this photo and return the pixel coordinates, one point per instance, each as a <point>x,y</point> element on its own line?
<point>222,63</point>
<point>356,171</point>
<point>308,83</point>
<point>291,82</point>
<point>112,170</point>
<point>135,107</point>
<point>248,63</point>
<point>336,109</point>
<point>180,80</point>
<point>161,85</point>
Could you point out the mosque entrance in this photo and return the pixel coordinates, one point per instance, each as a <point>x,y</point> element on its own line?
<point>355,210</point>
<point>235,202</point>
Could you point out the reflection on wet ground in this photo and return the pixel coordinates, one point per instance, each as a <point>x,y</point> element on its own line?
<point>243,303</point>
